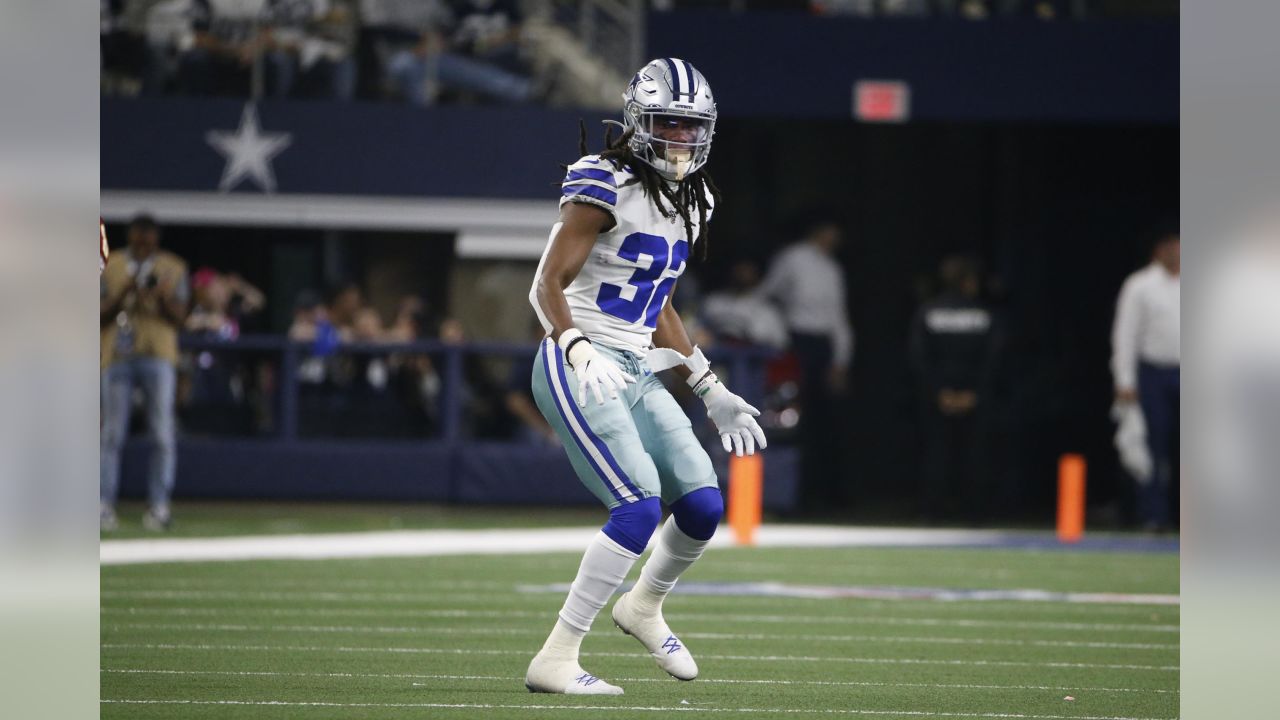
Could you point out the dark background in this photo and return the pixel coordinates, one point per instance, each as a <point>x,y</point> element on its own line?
<point>1046,150</point>
<point>1058,215</point>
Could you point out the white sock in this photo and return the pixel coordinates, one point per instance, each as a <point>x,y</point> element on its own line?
<point>672,555</point>
<point>604,566</point>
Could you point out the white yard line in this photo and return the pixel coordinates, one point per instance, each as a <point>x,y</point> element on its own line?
<point>718,681</point>
<point>713,617</point>
<point>521,653</point>
<point>1002,607</point>
<point>399,630</point>
<point>422,543</point>
<point>614,708</point>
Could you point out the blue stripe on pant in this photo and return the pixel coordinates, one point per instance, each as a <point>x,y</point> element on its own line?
<point>638,445</point>
<point>591,448</point>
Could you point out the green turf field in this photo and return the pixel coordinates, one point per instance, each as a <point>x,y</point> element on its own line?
<point>450,637</point>
<point>230,518</point>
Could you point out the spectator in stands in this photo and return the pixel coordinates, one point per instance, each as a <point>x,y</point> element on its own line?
<point>123,47</point>
<point>807,283</point>
<point>314,39</point>
<point>167,26</point>
<point>488,31</point>
<point>311,324</point>
<point>144,297</point>
<point>345,300</point>
<point>364,382</point>
<point>739,313</point>
<point>982,9</point>
<point>221,302</point>
<point>519,398</point>
<point>416,380</point>
<point>213,389</point>
<point>482,398</point>
<point>310,319</point>
<point>409,321</point>
<point>868,8</point>
<point>358,369</point>
<point>424,48</point>
<point>954,348</point>
<point>1145,364</point>
<point>366,326</point>
<point>326,53</point>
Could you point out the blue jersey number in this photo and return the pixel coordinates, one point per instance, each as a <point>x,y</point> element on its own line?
<point>650,295</point>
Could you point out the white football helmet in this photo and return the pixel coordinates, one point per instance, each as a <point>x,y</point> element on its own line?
<point>666,95</point>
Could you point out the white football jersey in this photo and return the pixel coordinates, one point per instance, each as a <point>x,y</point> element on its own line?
<point>630,273</point>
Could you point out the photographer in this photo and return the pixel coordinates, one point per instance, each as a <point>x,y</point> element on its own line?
<point>145,294</point>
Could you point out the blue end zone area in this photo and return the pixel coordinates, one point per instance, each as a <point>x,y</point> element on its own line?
<point>888,592</point>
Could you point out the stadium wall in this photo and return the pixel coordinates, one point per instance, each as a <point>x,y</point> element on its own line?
<point>488,473</point>
<point>768,64</point>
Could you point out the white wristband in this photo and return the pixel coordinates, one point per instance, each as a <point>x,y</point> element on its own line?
<point>575,346</point>
<point>703,385</point>
<point>567,337</point>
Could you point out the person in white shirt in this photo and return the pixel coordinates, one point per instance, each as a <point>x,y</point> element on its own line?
<point>807,283</point>
<point>738,313</point>
<point>1145,365</point>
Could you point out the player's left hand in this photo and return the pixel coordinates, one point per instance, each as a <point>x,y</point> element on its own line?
<point>734,417</point>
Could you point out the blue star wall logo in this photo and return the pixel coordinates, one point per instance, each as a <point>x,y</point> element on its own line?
<point>248,151</point>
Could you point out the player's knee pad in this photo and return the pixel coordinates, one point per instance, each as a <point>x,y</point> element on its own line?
<point>632,524</point>
<point>698,513</point>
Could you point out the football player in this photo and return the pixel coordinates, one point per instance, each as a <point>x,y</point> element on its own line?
<point>629,218</point>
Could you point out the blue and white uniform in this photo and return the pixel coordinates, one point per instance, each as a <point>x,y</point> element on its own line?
<point>641,444</point>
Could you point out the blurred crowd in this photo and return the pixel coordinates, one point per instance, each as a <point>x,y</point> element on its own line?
<point>417,51</point>
<point>421,52</point>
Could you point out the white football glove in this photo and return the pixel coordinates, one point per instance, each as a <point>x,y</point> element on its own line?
<point>594,371</point>
<point>733,416</point>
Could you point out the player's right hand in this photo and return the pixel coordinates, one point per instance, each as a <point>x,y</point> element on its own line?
<point>595,372</point>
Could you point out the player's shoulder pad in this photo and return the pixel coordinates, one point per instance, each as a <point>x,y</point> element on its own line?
<point>593,180</point>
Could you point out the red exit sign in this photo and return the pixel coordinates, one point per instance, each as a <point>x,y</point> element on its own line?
<point>881,101</point>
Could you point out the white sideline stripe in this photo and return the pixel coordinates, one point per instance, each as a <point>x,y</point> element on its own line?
<point>521,653</point>
<point>324,584</point>
<point>390,630</point>
<point>424,543</point>
<point>719,681</point>
<point>633,708</point>
<point>565,400</point>
<point>778,619</point>
<point>319,596</point>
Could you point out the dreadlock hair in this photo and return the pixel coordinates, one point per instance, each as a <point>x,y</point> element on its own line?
<point>688,195</point>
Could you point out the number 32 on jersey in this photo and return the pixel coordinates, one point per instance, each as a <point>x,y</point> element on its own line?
<point>650,294</point>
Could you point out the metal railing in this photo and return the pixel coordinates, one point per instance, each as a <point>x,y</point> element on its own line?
<point>744,368</point>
